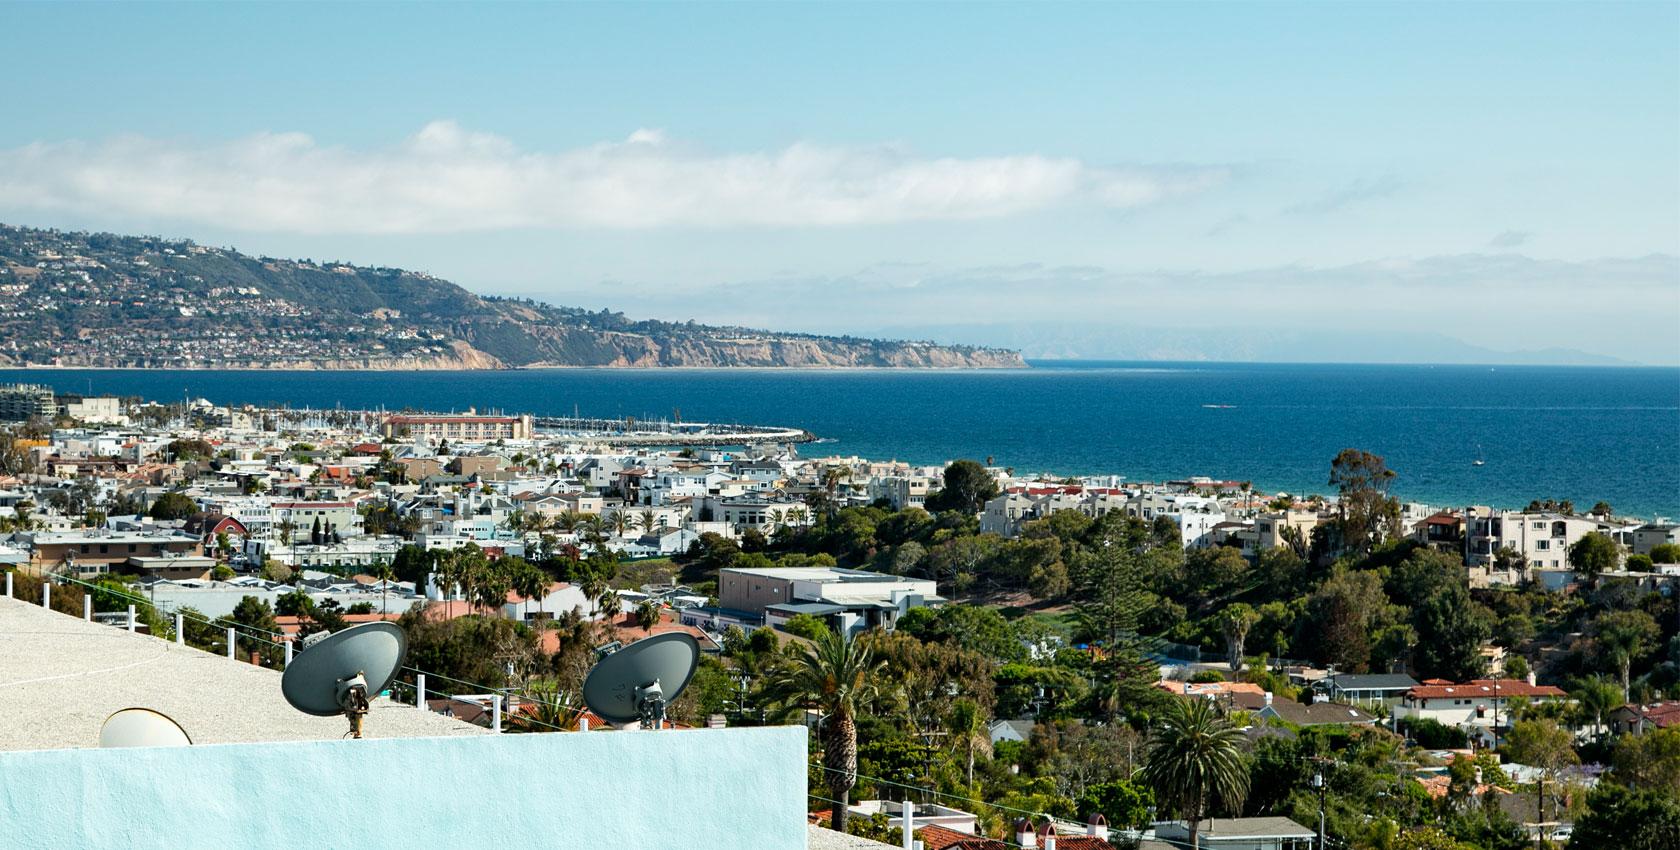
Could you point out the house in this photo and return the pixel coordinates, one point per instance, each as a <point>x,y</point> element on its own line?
<point>1649,536</point>
<point>1319,713</point>
<point>173,568</point>
<point>1366,688</point>
<point>1638,719</point>
<point>1046,836</point>
<point>1542,539</point>
<point>1011,730</point>
<point>1264,833</point>
<point>1479,707</point>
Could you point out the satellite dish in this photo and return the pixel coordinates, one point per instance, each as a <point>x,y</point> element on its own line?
<point>142,727</point>
<point>336,674</point>
<point>636,682</point>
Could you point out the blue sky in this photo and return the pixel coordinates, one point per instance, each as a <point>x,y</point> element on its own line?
<point>1163,166</point>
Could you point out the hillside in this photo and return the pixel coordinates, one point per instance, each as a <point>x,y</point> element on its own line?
<point>101,300</point>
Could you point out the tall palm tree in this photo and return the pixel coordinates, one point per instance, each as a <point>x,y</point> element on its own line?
<point>648,520</point>
<point>835,675</point>
<point>796,515</point>
<point>386,576</point>
<point>1195,762</point>
<point>594,587</point>
<point>530,582</point>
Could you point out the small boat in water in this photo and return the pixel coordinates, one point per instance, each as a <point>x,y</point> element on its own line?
<point>1220,406</point>
<point>1479,461</point>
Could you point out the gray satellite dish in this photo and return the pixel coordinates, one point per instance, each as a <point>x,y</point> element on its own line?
<point>636,682</point>
<point>337,674</point>
<point>142,727</point>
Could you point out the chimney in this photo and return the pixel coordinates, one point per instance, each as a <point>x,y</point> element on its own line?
<point>1024,834</point>
<point>1097,827</point>
<point>1268,697</point>
<point>1047,835</point>
<point>1531,678</point>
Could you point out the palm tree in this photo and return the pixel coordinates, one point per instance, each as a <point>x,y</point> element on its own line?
<point>778,519</point>
<point>620,521</point>
<point>835,675</point>
<point>1195,762</point>
<point>796,515</point>
<point>1596,697</point>
<point>386,576</point>
<point>530,582</point>
<point>648,520</point>
<point>594,587</point>
<point>609,603</point>
<point>647,615</point>
<point>568,521</point>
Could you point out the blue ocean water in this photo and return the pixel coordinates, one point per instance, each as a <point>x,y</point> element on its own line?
<point>1545,432</point>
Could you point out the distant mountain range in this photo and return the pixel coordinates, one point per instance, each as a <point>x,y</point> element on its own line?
<point>102,300</point>
<point>1083,341</point>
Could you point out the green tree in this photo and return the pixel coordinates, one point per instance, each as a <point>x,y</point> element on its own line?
<point>1123,804</point>
<point>172,506</point>
<point>1623,637</point>
<point>647,615</point>
<point>1595,698</point>
<point>1649,761</point>
<point>1666,553</point>
<point>1451,629</point>
<point>806,626</point>
<point>966,489</point>
<point>1369,515</point>
<point>836,676</point>
<point>1236,621</point>
<point>1593,554</point>
<point>258,628</point>
<point>1627,820</point>
<point>1195,763</point>
<point>1540,743</point>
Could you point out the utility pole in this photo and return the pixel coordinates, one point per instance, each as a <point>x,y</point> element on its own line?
<point>1540,805</point>
<point>1318,782</point>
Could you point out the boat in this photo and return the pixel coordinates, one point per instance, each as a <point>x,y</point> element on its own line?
<point>1220,406</point>
<point>1479,461</point>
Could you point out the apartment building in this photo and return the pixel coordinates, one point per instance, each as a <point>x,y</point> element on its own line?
<point>467,428</point>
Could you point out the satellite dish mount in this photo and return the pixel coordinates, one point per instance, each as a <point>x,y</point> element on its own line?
<point>339,674</point>
<point>632,687</point>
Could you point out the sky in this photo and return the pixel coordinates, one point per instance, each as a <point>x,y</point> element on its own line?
<point>1108,179</point>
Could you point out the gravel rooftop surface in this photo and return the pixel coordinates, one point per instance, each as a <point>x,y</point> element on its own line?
<point>60,677</point>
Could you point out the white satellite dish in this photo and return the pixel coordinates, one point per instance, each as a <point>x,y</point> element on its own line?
<point>142,727</point>
<point>337,674</point>
<point>634,684</point>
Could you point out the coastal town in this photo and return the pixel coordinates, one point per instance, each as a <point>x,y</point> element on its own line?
<point>1495,668</point>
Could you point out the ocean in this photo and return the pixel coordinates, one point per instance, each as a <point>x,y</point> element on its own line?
<point>1576,433</point>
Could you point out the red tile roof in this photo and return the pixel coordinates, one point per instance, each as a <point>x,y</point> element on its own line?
<point>1503,688</point>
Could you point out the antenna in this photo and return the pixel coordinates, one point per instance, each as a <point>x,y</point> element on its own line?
<point>336,674</point>
<point>634,684</point>
<point>142,727</point>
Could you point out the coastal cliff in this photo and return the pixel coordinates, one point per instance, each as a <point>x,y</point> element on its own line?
<point>108,301</point>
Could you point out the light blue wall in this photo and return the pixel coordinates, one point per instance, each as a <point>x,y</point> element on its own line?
<point>693,790</point>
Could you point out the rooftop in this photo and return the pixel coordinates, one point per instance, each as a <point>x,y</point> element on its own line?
<point>85,671</point>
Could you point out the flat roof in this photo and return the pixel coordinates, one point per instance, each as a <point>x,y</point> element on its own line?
<point>61,676</point>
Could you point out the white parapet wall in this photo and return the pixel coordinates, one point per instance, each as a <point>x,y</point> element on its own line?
<point>729,789</point>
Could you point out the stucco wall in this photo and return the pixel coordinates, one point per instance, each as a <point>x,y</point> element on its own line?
<point>699,789</point>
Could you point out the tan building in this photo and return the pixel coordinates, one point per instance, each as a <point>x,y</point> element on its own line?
<point>468,428</point>
<point>94,551</point>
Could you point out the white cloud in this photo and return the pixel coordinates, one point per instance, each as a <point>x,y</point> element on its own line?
<point>446,178</point>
